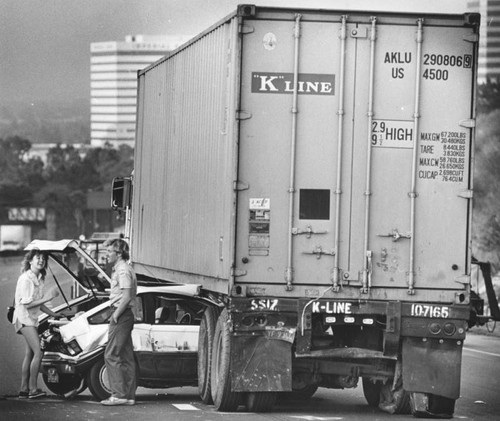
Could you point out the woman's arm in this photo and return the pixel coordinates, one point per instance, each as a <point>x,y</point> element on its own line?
<point>48,311</point>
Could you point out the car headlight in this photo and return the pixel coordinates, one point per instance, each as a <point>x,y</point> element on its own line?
<point>74,348</point>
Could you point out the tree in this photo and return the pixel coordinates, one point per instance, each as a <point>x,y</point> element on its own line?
<point>486,220</point>
<point>110,162</point>
<point>20,176</point>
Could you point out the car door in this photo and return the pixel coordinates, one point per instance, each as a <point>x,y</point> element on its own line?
<point>165,347</point>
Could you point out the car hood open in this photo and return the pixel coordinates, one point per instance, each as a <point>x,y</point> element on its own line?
<point>68,247</point>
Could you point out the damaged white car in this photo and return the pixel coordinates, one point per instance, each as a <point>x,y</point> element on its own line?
<point>165,335</point>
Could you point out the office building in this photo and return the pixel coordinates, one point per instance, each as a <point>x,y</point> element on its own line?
<point>113,84</point>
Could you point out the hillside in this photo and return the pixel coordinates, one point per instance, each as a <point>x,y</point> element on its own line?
<point>47,121</point>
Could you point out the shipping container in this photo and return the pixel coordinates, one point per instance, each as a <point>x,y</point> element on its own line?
<point>312,169</point>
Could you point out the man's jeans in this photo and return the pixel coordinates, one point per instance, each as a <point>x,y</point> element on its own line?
<point>119,357</point>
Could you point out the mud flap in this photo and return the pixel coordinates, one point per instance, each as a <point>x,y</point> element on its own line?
<point>261,364</point>
<point>432,367</point>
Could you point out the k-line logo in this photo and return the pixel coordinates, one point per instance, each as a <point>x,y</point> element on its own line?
<point>282,83</point>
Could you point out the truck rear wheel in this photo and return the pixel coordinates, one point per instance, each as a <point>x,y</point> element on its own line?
<point>260,401</point>
<point>205,347</point>
<point>224,399</point>
<point>431,406</point>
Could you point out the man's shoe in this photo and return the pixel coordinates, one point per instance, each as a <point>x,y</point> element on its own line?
<point>130,402</point>
<point>112,401</point>
<point>36,394</point>
<point>23,395</point>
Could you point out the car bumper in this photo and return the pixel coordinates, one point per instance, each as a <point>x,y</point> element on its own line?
<point>55,362</point>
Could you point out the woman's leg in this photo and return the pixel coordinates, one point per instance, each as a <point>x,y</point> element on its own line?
<point>25,371</point>
<point>33,343</point>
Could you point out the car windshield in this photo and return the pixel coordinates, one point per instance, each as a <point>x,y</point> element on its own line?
<point>69,272</point>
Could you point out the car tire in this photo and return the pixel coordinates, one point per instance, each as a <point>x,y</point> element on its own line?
<point>224,399</point>
<point>69,385</point>
<point>205,347</point>
<point>97,381</point>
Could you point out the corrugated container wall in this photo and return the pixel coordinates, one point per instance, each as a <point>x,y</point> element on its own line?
<point>195,232</point>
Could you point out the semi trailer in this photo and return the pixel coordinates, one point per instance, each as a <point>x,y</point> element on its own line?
<point>312,170</point>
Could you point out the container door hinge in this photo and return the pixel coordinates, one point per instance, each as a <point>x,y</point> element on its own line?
<point>240,186</point>
<point>466,194</point>
<point>246,29</point>
<point>361,32</point>
<point>471,38</point>
<point>238,272</point>
<point>243,115</point>
<point>469,123</point>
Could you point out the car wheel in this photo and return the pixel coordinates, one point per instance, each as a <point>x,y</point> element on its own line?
<point>68,385</point>
<point>205,347</point>
<point>224,399</point>
<point>97,381</point>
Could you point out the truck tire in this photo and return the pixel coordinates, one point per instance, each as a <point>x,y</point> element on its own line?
<point>224,399</point>
<point>69,385</point>
<point>438,407</point>
<point>205,347</point>
<point>260,401</point>
<point>97,381</point>
<point>371,391</point>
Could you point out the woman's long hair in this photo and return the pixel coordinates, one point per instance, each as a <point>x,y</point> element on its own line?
<point>28,257</point>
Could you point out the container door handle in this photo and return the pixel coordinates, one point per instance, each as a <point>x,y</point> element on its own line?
<point>308,231</point>
<point>396,235</point>
<point>318,251</point>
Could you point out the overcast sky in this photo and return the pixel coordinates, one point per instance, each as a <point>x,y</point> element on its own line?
<point>45,44</point>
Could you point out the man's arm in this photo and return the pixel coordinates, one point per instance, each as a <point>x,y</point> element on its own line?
<point>124,302</point>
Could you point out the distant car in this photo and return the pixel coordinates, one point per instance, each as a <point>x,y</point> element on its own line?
<point>165,334</point>
<point>10,245</point>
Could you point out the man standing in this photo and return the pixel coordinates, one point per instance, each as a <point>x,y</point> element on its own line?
<point>119,354</point>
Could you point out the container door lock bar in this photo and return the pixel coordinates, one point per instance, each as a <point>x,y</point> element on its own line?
<point>396,235</point>
<point>308,231</point>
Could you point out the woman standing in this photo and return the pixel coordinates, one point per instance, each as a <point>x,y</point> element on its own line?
<point>29,300</point>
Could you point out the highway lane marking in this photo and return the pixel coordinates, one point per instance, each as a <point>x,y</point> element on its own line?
<point>185,407</point>
<point>312,418</point>
<point>481,352</point>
